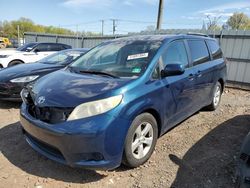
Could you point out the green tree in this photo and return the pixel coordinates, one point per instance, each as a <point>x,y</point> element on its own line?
<point>239,21</point>
<point>9,29</point>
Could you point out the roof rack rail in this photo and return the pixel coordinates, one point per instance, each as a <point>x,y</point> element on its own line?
<point>197,34</point>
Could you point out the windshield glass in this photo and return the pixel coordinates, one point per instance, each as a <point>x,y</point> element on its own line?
<point>25,47</point>
<point>118,58</point>
<point>62,57</point>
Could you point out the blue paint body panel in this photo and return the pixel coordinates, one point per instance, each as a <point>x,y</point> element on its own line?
<point>172,98</point>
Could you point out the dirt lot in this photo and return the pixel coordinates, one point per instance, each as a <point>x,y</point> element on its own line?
<point>201,152</point>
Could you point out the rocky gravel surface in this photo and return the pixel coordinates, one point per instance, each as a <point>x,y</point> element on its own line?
<point>200,152</point>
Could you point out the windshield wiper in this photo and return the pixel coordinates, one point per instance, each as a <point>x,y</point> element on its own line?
<point>99,72</point>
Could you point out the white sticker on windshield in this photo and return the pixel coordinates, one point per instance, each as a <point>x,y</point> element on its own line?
<point>137,56</point>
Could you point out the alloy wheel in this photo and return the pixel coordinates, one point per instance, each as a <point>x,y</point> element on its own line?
<point>142,140</point>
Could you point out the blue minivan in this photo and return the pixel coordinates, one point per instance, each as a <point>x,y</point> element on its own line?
<point>110,105</point>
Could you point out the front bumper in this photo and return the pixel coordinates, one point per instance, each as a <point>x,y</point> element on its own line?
<point>95,143</point>
<point>11,91</point>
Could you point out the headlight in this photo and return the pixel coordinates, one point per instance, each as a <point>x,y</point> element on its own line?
<point>4,56</point>
<point>95,107</point>
<point>24,95</point>
<point>24,79</point>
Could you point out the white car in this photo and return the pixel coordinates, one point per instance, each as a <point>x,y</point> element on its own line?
<point>29,53</point>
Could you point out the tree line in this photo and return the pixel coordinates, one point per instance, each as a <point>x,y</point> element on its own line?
<point>239,21</point>
<point>9,28</point>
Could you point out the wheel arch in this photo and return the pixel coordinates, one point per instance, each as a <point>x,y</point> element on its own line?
<point>157,117</point>
<point>16,60</point>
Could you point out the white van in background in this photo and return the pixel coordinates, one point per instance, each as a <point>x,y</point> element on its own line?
<point>29,53</point>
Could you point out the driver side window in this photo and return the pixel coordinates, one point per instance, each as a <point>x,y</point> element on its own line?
<point>42,48</point>
<point>176,54</point>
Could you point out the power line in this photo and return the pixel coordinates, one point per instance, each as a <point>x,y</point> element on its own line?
<point>136,21</point>
<point>81,23</point>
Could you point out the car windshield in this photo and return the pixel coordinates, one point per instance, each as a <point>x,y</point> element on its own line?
<point>62,57</point>
<point>25,47</point>
<point>118,58</point>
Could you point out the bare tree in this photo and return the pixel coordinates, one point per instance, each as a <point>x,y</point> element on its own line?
<point>213,23</point>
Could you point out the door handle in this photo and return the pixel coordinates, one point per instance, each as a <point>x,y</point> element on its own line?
<point>199,74</point>
<point>191,77</point>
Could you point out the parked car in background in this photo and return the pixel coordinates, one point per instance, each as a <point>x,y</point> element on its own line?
<point>29,53</point>
<point>13,79</point>
<point>243,171</point>
<point>112,104</point>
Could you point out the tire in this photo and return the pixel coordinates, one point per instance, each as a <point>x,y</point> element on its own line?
<point>144,142</point>
<point>15,62</point>
<point>2,46</point>
<point>216,97</point>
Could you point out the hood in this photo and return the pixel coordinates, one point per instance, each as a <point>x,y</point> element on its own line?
<point>26,70</point>
<point>66,89</point>
<point>8,52</point>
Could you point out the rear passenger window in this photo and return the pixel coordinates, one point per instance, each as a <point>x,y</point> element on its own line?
<point>176,53</point>
<point>42,47</point>
<point>215,49</point>
<point>55,47</point>
<point>199,51</point>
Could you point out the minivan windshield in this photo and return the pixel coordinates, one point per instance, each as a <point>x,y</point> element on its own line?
<point>25,47</point>
<point>118,58</point>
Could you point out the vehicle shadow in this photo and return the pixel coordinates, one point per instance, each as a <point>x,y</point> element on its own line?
<point>212,160</point>
<point>9,104</point>
<point>14,147</point>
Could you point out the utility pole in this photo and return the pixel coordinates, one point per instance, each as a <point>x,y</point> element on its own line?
<point>18,36</point>
<point>102,27</point>
<point>160,12</point>
<point>114,26</point>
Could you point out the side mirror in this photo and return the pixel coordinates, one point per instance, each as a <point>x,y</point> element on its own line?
<point>36,50</point>
<point>173,70</point>
<point>28,49</point>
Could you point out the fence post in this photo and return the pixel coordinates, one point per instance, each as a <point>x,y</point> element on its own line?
<point>82,42</point>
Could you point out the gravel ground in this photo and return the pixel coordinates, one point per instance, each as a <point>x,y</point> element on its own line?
<point>200,152</point>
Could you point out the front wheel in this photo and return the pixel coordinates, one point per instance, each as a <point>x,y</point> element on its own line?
<point>216,97</point>
<point>140,141</point>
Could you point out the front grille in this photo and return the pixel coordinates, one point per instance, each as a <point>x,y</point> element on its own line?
<point>50,115</point>
<point>45,147</point>
<point>3,87</point>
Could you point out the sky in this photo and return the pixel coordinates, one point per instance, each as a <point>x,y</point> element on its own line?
<point>131,15</point>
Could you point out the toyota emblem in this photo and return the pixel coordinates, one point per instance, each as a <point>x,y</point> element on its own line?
<point>41,100</point>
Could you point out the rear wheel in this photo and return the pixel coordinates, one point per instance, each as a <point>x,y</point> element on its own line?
<point>216,97</point>
<point>141,140</point>
<point>15,62</point>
